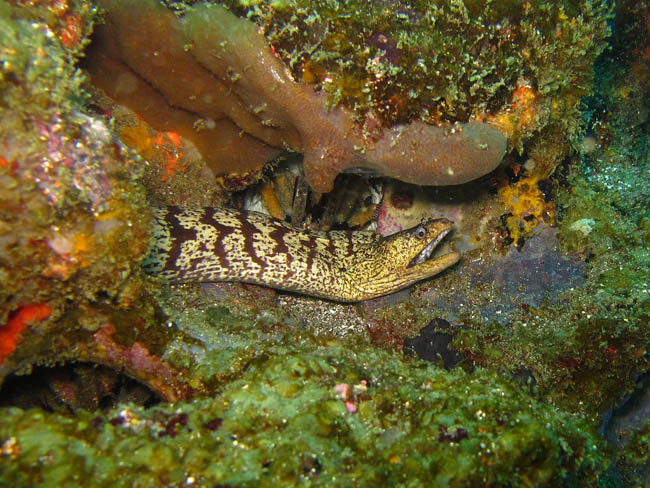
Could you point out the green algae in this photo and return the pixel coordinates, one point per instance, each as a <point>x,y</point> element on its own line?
<point>584,346</point>
<point>283,421</point>
<point>443,60</point>
<point>633,461</point>
<point>36,73</point>
<point>66,187</point>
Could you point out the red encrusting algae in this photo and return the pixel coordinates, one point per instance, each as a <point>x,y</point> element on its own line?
<point>18,320</point>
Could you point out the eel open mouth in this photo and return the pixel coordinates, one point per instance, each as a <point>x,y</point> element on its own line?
<point>427,253</point>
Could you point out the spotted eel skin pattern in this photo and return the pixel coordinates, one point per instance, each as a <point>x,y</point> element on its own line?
<point>220,244</point>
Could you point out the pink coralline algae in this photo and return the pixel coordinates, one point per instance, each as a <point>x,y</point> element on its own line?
<point>226,72</point>
<point>139,363</point>
<point>83,158</point>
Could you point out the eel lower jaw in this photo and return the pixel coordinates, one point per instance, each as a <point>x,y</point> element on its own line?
<point>444,261</point>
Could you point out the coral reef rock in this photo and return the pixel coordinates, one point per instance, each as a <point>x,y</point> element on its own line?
<point>216,70</point>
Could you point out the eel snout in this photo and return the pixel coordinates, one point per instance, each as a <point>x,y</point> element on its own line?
<point>441,228</point>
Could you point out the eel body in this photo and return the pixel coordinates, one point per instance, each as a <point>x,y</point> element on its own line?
<point>219,244</point>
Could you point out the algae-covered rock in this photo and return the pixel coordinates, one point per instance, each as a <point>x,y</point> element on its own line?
<point>436,60</point>
<point>324,416</point>
<point>356,84</point>
<point>212,65</point>
<point>70,203</point>
<point>73,215</point>
<point>273,405</point>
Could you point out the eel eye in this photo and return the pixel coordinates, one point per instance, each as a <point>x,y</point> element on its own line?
<point>420,232</point>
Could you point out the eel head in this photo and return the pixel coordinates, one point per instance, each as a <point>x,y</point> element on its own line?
<point>402,259</point>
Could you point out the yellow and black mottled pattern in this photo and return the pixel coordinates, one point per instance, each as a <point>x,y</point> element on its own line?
<point>218,244</point>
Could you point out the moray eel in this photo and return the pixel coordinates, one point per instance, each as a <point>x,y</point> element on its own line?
<point>218,244</point>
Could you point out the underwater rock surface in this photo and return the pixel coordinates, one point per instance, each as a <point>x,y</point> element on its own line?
<point>432,98</point>
<point>538,272</point>
<point>260,388</point>
<point>229,73</point>
<point>326,416</point>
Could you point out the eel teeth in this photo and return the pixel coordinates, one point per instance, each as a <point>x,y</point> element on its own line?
<point>427,252</point>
